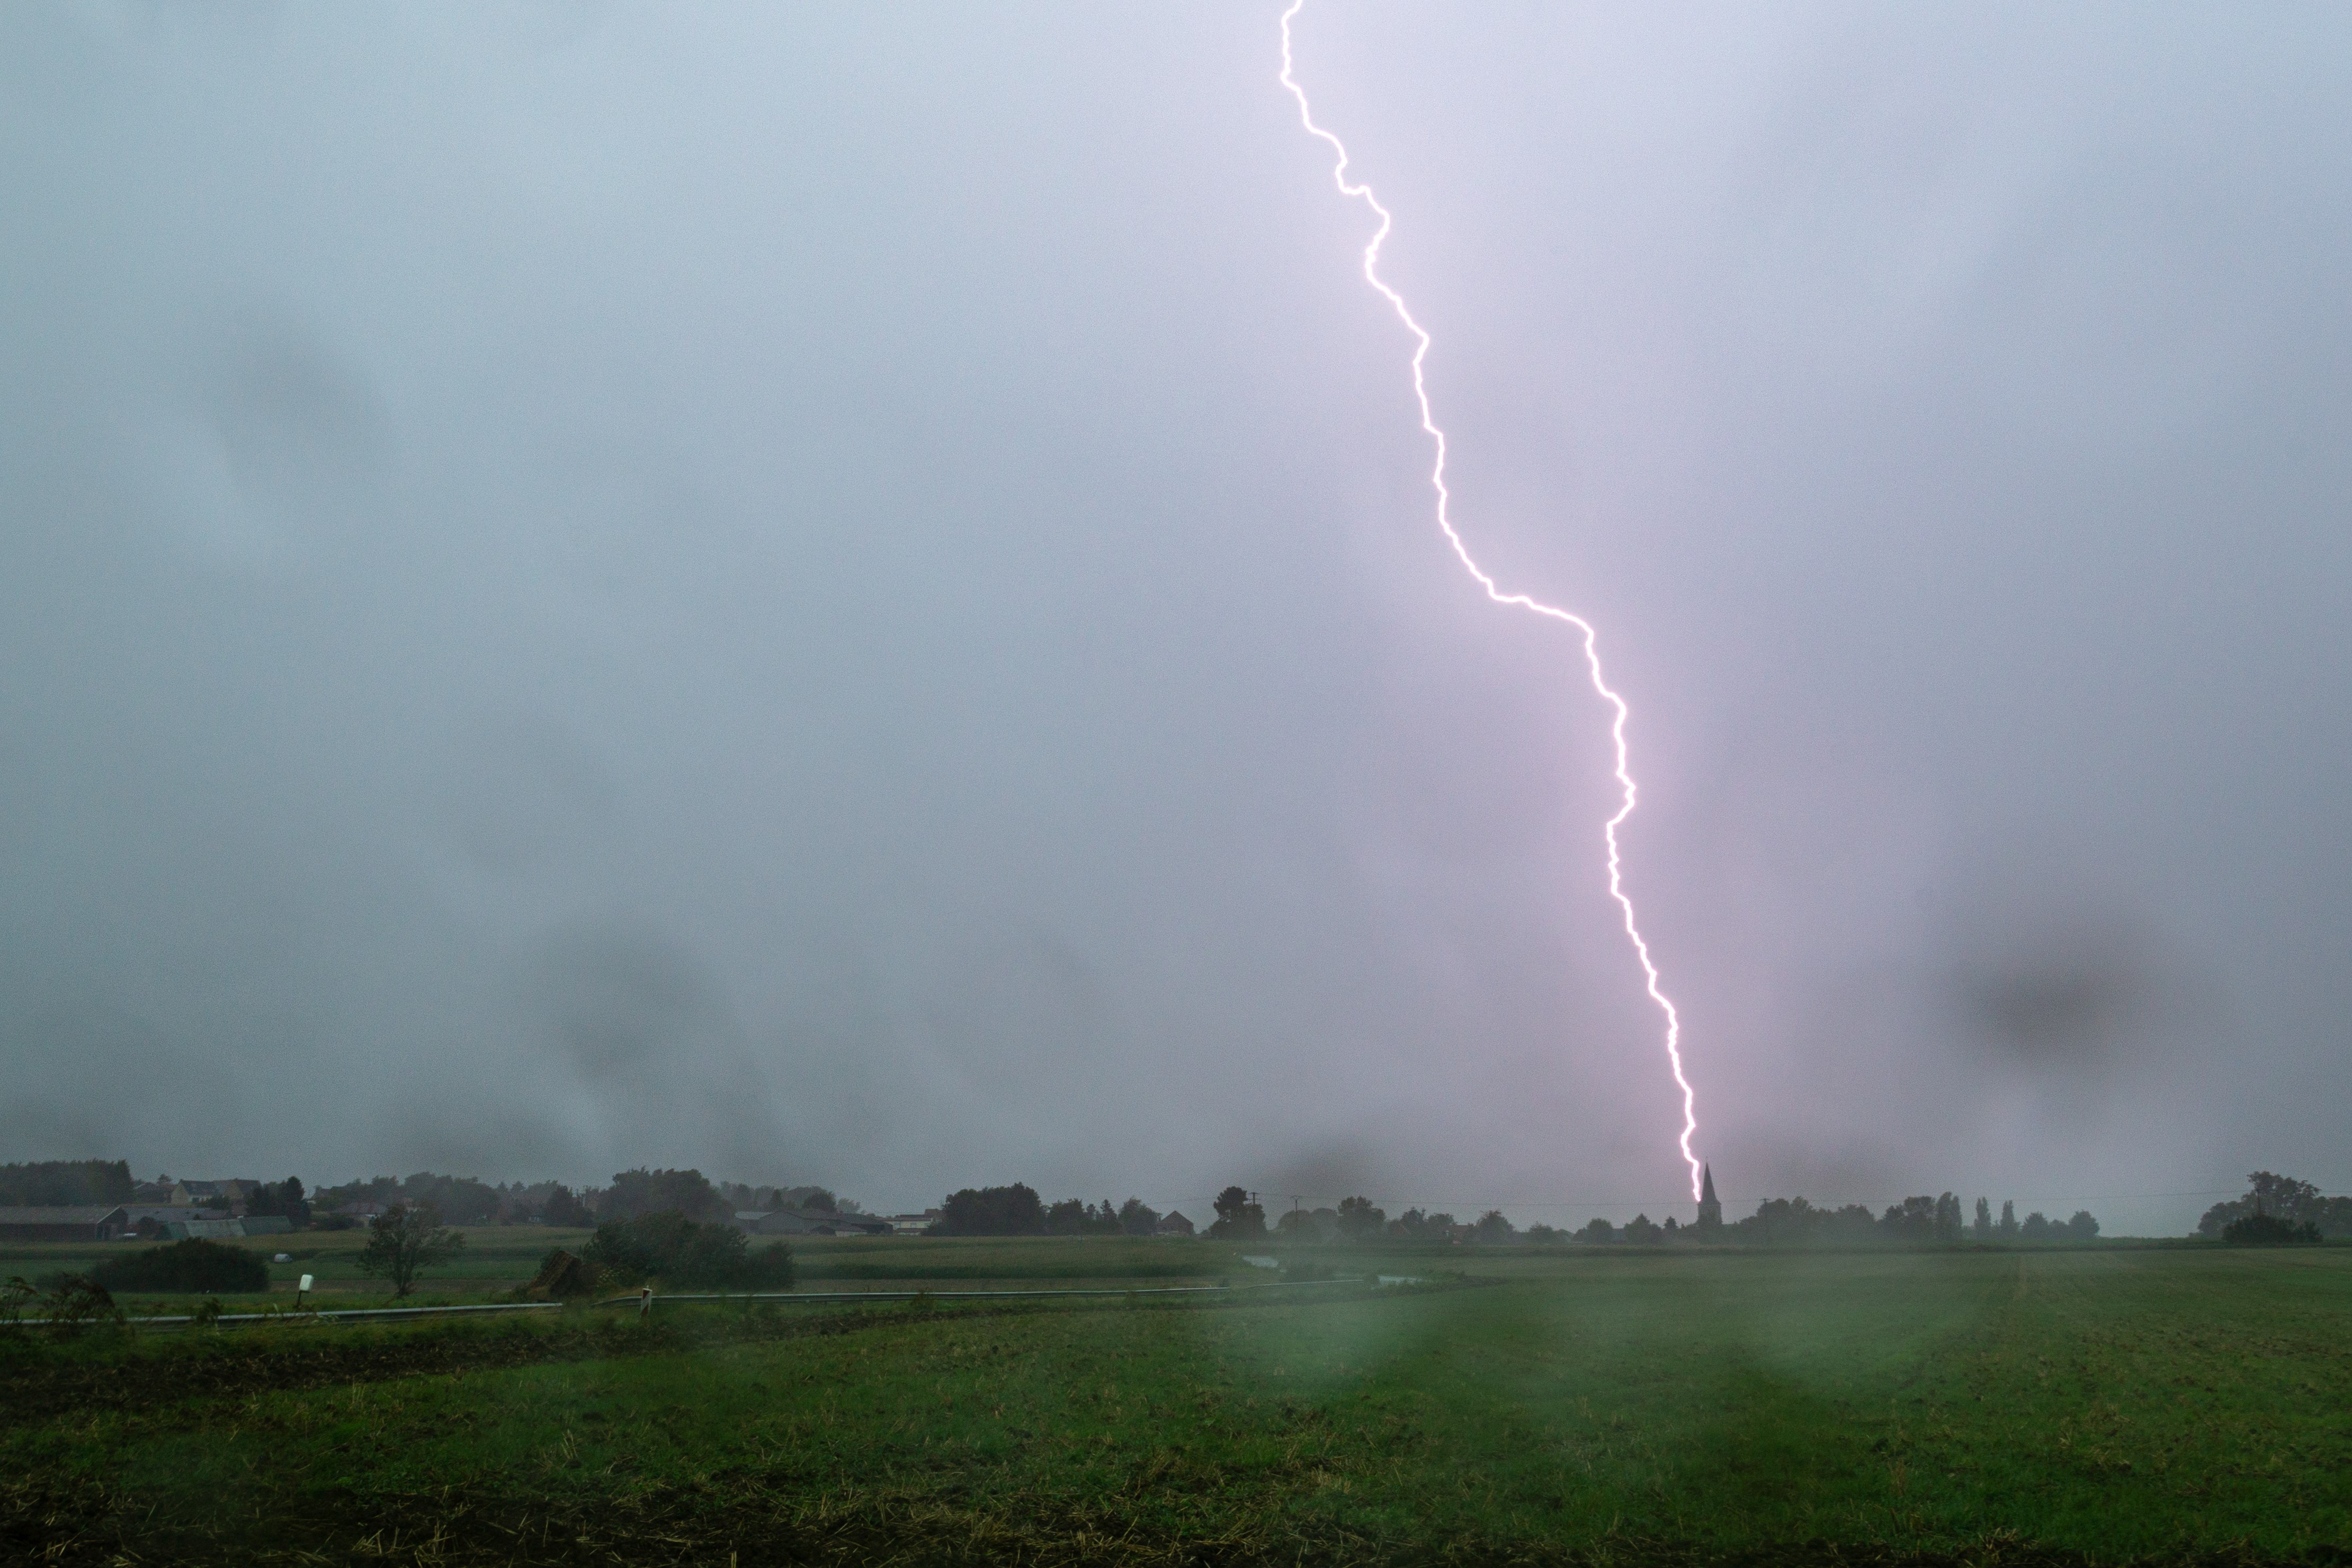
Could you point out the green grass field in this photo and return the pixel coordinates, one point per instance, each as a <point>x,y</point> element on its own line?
<point>1625,1405</point>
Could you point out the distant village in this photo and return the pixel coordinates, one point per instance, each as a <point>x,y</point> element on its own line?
<point>100,1200</point>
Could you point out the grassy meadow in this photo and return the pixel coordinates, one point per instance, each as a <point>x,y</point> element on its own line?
<point>1629,1405</point>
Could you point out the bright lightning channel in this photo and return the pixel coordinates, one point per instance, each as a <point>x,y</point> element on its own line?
<point>1363,192</point>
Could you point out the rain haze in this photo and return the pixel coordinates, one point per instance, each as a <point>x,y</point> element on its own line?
<point>850,596</point>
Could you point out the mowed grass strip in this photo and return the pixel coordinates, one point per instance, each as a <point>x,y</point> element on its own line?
<point>2115,1405</point>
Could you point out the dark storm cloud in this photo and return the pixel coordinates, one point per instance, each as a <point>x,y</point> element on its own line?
<point>843,599</point>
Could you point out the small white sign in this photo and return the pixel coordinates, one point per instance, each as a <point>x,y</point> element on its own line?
<point>306,1282</point>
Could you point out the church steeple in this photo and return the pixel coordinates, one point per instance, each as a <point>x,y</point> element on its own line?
<point>1710,1211</point>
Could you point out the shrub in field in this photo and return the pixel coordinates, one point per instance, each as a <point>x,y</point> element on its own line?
<point>2267,1230</point>
<point>192,1266</point>
<point>561,1276</point>
<point>73,1304</point>
<point>677,1250</point>
<point>79,1302</point>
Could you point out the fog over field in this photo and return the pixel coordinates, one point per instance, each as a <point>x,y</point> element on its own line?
<point>849,595</point>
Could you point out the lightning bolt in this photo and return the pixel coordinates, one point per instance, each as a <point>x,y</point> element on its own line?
<point>1363,192</point>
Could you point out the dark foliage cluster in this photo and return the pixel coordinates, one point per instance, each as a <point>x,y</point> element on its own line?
<point>66,1184</point>
<point>677,1250</point>
<point>2281,1198</point>
<point>283,1198</point>
<point>1014,1210</point>
<point>460,1200</point>
<point>640,1192</point>
<point>2268,1230</point>
<point>193,1266</point>
<point>1413,1225</point>
<point>1240,1217</point>
<point>1017,1210</point>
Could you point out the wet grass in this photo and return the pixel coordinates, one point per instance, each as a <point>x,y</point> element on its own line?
<point>1667,1407</point>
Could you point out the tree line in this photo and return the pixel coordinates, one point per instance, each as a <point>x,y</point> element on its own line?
<point>2276,1209</point>
<point>1017,1210</point>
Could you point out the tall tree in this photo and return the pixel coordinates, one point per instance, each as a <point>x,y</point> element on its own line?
<point>562,1208</point>
<point>1238,1220</point>
<point>284,1197</point>
<point>1359,1221</point>
<point>1984,1221</point>
<point>403,1241</point>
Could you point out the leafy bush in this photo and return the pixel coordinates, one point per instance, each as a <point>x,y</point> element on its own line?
<point>79,1302</point>
<point>677,1250</point>
<point>74,1303</point>
<point>190,1265</point>
<point>561,1276</point>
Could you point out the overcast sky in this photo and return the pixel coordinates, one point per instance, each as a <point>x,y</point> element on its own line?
<point>849,595</point>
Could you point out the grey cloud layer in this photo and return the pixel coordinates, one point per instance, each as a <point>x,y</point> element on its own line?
<point>849,598</point>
